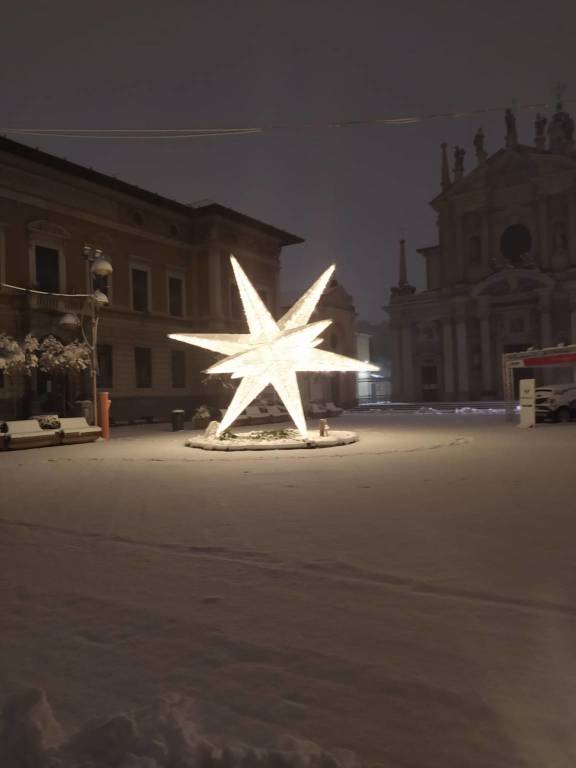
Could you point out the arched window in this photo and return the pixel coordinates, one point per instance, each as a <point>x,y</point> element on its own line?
<point>515,244</point>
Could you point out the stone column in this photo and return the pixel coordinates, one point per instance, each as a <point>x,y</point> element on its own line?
<point>397,387</point>
<point>448,358</point>
<point>486,347</point>
<point>543,233</point>
<point>545,320</point>
<point>486,343</point>
<point>572,227</point>
<point>573,322</point>
<point>460,246</point>
<point>462,354</point>
<point>486,245</point>
<point>407,363</point>
<point>572,295</point>
<point>215,277</point>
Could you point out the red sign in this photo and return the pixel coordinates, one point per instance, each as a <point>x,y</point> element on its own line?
<point>568,358</point>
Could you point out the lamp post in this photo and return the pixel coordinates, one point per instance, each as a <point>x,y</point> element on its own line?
<point>99,266</point>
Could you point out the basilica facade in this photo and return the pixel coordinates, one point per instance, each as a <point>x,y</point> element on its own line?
<point>502,277</point>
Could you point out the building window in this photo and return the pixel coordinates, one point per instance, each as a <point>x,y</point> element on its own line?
<point>175,296</point>
<point>105,366</point>
<point>178,368</point>
<point>47,269</point>
<point>515,244</point>
<point>143,367</point>
<point>140,289</point>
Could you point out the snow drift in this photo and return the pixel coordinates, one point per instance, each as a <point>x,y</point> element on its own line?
<point>158,736</point>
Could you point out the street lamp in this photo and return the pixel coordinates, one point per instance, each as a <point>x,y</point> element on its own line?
<point>100,266</point>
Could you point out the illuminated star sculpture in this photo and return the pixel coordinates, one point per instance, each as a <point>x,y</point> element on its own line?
<point>274,351</point>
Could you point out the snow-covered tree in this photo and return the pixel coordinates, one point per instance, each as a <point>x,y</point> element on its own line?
<point>16,357</point>
<point>49,356</point>
<point>56,357</point>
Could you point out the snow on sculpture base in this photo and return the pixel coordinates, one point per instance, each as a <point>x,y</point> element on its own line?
<point>270,440</point>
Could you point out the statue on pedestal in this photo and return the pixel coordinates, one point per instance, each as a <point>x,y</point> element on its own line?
<point>481,153</point>
<point>459,154</point>
<point>511,132</point>
<point>540,128</point>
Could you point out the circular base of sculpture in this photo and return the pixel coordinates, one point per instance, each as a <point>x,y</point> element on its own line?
<point>267,441</point>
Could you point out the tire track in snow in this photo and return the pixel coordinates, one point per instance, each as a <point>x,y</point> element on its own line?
<point>336,573</point>
<point>296,454</point>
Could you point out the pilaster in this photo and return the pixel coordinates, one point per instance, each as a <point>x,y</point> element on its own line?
<point>448,358</point>
<point>486,347</point>
<point>545,319</point>
<point>407,363</point>
<point>215,277</point>
<point>462,356</point>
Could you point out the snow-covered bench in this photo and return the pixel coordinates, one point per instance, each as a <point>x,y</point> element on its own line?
<point>77,430</point>
<point>317,411</point>
<point>3,436</point>
<point>242,419</point>
<point>333,410</point>
<point>278,413</point>
<point>29,434</point>
<point>258,414</point>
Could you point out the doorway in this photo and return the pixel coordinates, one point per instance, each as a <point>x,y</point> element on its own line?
<point>429,381</point>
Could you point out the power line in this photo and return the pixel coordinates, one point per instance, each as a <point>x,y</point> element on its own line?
<point>206,132</point>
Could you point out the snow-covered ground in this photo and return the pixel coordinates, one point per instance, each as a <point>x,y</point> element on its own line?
<point>411,597</point>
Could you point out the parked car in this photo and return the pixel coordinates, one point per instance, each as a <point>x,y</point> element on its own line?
<point>556,402</point>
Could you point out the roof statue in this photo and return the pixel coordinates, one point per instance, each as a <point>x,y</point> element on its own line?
<point>561,127</point>
<point>479,147</point>
<point>511,132</point>
<point>540,129</point>
<point>459,154</point>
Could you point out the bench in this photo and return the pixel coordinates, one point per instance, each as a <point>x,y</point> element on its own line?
<point>242,419</point>
<point>258,414</point>
<point>77,430</point>
<point>29,434</point>
<point>317,411</point>
<point>278,413</point>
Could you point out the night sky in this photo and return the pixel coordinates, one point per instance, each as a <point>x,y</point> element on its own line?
<point>350,191</point>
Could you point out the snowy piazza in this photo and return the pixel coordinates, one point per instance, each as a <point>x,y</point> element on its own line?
<point>288,384</point>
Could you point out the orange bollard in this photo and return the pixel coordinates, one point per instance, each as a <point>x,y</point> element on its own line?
<point>104,412</point>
